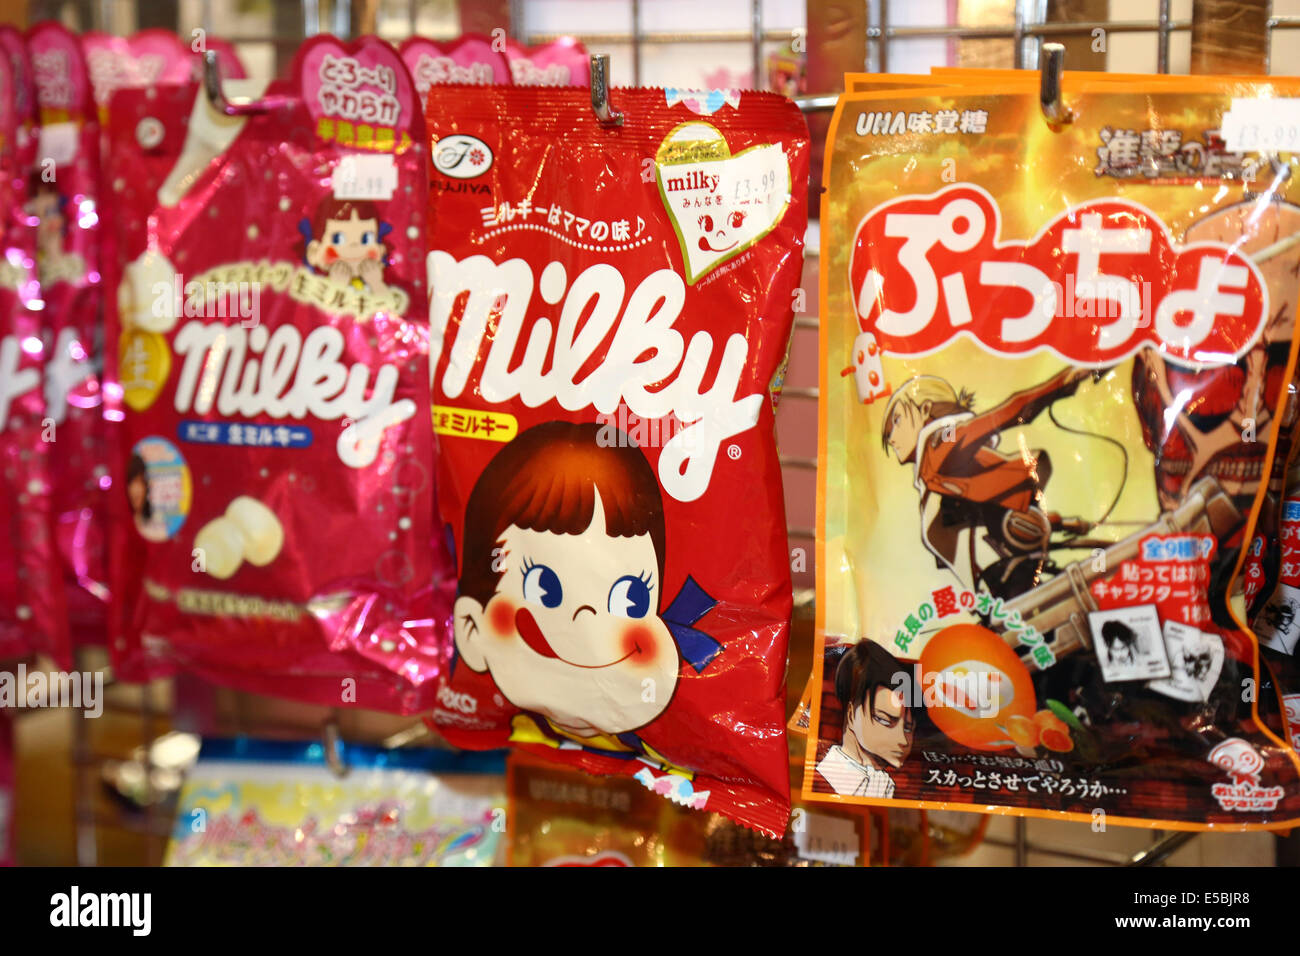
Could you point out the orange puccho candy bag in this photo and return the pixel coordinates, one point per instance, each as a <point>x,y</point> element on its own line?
<point>1053,378</point>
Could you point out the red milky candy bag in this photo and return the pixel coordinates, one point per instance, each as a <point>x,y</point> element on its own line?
<point>32,614</point>
<point>63,195</point>
<point>269,384</point>
<point>610,313</point>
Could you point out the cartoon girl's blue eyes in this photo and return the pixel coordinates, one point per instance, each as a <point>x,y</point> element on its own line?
<point>336,238</point>
<point>367,238</point>
<point>542,586</point>
<point>629,597</point>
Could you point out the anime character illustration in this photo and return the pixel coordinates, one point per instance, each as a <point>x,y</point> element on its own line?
<point>1197,663</point>
<point>1217,421</point>
<point>878,723</point>
<point>1280,616</point>
<point>1120,642</point>
<point>148,520</point>
<point>980,509</point>
<point>49,208</point>
<point>345,242</point>
<point>560,591</point>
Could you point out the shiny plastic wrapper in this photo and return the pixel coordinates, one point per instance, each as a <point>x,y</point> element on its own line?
<point>64,198</point>
<point>269,386</point>
<point>1053,374</point>
<point>610,314</point>
<point>32,609</point>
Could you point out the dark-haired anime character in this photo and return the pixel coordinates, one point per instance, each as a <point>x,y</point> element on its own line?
<point>147,521</point>
<point>345,241</point>
<point>980,512</point>
<point>561,588</point>
<point>878,723</point>
<point>1121,643</point>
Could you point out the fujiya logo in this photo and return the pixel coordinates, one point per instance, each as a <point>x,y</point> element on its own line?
<point>464,703</point>
<point>648,363</point>
<point>250,372</point>
<point>462,157</point>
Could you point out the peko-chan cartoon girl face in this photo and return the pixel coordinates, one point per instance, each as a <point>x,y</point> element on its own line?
<point>561,584</point>
<point>720,232</point>
<point>345,242</point>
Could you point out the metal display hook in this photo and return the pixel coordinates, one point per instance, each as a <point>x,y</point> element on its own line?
<point>1051,67</point>
<point>332,744</point>
<point>600,104</point>
<point>212,86</point>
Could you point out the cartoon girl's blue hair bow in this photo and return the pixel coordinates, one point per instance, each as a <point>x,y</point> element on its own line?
<point>691,604</point>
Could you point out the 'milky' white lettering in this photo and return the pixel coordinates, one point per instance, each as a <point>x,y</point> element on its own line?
<point>14,381</point>
<point>648,365</point>
<point>293,378</point>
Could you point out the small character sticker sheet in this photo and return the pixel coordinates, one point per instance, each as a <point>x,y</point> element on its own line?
<point>1195,661</point>
<point>1051,398</point>
<point>1129,644</point>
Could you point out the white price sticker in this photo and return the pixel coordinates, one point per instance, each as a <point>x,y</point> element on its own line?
<point>1262,126</point>
<point>58,142</point>
<point>365,177</point>
<point>827,839</point>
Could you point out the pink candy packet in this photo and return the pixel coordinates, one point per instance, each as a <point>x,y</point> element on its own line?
<point>63,195</point>
<point>470,59</point>
<point>562,62</point>
<point>269,386</point>
<point>148,58</point>
<point>31,588</point>
<point>6,790</point>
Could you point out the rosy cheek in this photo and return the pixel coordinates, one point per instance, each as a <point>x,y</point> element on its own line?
<point>501,617</point>
<point>372,254</point>
<point>331,254</point>
<point>640,644</point>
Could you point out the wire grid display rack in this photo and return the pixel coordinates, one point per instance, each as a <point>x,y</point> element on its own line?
<point>1027,32</point>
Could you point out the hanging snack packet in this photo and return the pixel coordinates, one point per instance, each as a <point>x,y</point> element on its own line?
<point>275,803</point>
<point>270,384</point>
<point>1062,353</point>
<point>559,817</point>
<point>610,310</point>
<point>1277,622</point>
<point>63,195</point>
<point>32,616</point>
<point>6,789</point>
<point>562,62</point>
<point>146,59</point>
<point>468,59</point>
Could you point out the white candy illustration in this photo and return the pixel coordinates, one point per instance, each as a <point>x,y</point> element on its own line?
<point>261,529</point>
<point>222,546</point>
<point>868,373</point>
<point>145,296</point>
<point>208,135</point>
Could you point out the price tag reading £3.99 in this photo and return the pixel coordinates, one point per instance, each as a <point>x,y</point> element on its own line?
<point>365,177</point>
<point>1262,126</point>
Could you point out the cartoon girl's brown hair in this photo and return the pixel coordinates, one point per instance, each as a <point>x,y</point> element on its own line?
<point>544,480</point>
<point>342,210</point>
<point>339,210</point>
